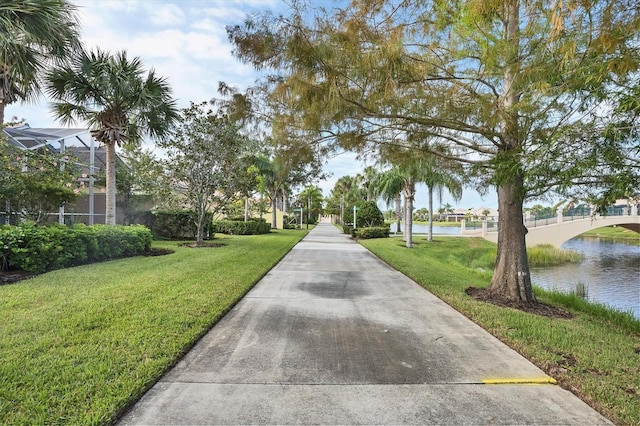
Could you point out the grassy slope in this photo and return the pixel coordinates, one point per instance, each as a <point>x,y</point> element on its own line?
<point>77,345</point>
<point>614,233</point>
<point>595,354</point>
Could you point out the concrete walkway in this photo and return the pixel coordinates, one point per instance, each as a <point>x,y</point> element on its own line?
<point>332,335</point>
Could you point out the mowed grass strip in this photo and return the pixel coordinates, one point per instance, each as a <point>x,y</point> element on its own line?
<point>78,345</point>
<point>596,354</point>
<point>615,234</point>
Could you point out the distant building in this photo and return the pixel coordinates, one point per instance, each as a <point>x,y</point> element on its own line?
<point>90,206</point>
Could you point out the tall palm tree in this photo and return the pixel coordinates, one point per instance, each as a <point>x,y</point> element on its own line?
<point>312,197</point>
<point>402,179</point>
<point>119,103</point>
<point>274,181</point>
<point>369,177</point>
<point>438,175</point>
<point>34,34</point>
<point>389,184</point>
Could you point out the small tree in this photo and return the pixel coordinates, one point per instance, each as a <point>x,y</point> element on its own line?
<point>367,215</point>
<point>34,184</point>
<point>203,163</point>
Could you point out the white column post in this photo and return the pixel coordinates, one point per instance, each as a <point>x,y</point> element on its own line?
<point>559,213</point>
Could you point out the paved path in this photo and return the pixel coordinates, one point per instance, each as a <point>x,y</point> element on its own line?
<point>332,335</point>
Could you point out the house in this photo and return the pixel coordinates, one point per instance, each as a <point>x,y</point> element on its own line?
<point>85,152</point>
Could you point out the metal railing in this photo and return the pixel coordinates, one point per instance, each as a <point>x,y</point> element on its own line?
<point>551,219</point>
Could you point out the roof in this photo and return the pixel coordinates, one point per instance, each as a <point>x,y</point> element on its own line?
<point>25,137</point>
<point>75,141</point>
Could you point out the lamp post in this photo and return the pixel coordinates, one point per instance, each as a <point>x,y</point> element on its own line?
<point>355,220</point>
<point>308,209</point>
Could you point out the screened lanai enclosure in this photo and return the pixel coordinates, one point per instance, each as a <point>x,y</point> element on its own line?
<point>83,151</point>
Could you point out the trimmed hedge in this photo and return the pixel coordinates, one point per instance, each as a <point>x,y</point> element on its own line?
<point>240,227</point>
<point>179,225</point>
<point>43,248</point>
<point>371,232</point>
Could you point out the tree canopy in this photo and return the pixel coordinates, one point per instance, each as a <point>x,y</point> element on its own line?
<point>119,102</point>
<point>521,92</point>
<point>204,161</point>
<point>33,35</point>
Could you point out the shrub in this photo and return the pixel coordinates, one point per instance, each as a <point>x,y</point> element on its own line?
<point>42,248</point>
<point>179,225</point>
<point>347,228</point>
<point>240,227</point>
<point>369,215</point>
<point>372,232</point>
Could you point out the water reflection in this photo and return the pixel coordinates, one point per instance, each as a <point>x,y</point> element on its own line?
<point>424,229</point>
<point>610,273</point>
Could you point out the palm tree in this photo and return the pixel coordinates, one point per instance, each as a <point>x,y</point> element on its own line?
<point>312,197</point>
<point>347,191</point>
<point>369,178</point>
<point>33,35</point>
<point>438,175</point>
<point>120,104</point>
<point>389,184</point>
<point>274,176</point>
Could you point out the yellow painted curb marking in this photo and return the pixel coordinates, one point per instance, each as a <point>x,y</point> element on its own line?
<point>539,381</point>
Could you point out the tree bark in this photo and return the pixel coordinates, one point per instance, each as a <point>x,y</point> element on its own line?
<point>409,194</point>
<point>398,202</point>
<point>274,206</point>
<point>110,210</point>
<point>200,228</point>
<point>2,106</point>
<point>511,279</point>
<point>430,236</point>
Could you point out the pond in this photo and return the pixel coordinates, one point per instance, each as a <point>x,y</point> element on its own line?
<point>424,229</point>
<point>610,273</point>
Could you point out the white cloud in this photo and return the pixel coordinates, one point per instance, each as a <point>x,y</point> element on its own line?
<point>166,14</point>
<point>185,41</point>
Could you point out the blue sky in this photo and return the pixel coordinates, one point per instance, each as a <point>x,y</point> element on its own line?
<point>186,41</point>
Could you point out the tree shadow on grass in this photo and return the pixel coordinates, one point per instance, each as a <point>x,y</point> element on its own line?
<point>12,276</point>
<point>537,308</point>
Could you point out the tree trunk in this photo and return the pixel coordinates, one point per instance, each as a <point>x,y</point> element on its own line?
<point>409,194</point>
<point>200,228</point>
<point>511,279</point>
<point>2,106</point>
<point>246,209</point>
<point>430,237</point>
<point>284,202</point>
<point>110,210</point>
<point>274,206</point>
<point>398,202</point>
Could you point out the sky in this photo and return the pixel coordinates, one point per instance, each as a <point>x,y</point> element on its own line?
<point>186,42</point>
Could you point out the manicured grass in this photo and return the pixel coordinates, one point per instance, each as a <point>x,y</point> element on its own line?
<point>614,233</point>
<point>80,344</point>
<point>595,354</point>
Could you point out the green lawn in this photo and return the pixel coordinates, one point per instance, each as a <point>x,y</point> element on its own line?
<point>614,233</point>
<point>77,345</point>
<point>595,354</point>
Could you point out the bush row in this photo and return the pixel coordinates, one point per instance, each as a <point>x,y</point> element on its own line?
<point>240,227</point>
<point>371,232</point>
<point>43,248</point>
<point>178,225</point>
<point>367,232</point>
